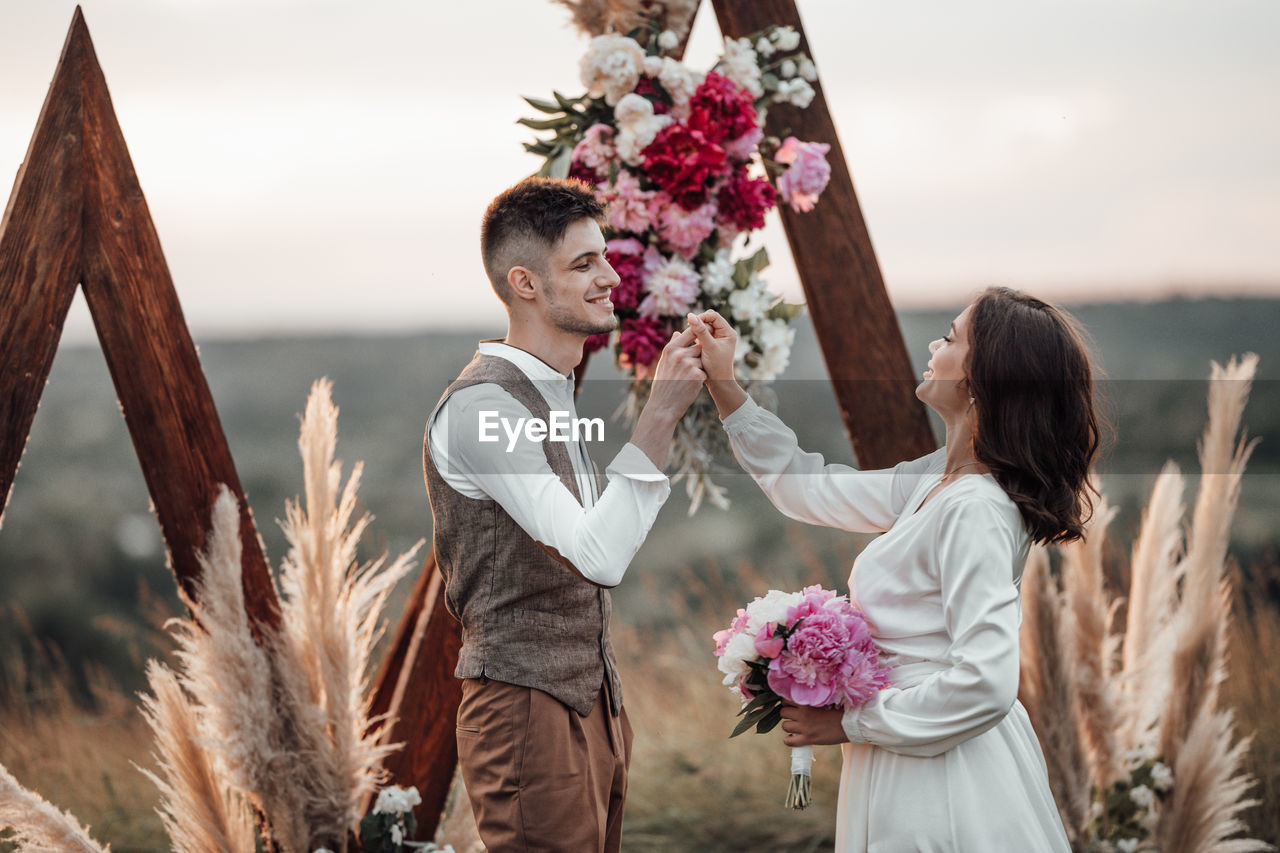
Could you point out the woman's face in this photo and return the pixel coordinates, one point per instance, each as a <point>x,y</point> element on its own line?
<point>945,389</point>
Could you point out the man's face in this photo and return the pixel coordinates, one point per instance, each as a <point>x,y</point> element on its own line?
<point>578,281</point>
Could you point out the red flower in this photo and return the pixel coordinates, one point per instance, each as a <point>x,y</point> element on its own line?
<point>721,110</point>
<point>684,163</point>
<point>641,339</point>
<point>595,342</point>
<point>743,201</point>
<point>646,89</point>
<point>627,259</point>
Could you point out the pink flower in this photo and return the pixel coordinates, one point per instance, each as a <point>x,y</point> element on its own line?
<point>596,342</point>
<point>640,341</point>
<point>684,163</point>
<point>626,256</point>
<point>684,230</point>
<point>807,175</point>
<point>595,152</point>
<point>671,283</point>
<point>722,110</point>
<point>744,146</point>
<point>810,669</point>
<point>768,643</point>
<point>628,204</point>
<point>743,201</point>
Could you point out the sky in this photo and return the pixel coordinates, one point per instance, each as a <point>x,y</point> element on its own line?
<point>314,165</point>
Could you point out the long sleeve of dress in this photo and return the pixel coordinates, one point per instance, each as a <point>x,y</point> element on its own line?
<point>804,487</point>
<point>975,554</point>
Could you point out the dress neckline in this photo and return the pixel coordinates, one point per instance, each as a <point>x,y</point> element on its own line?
<point>925,500</point>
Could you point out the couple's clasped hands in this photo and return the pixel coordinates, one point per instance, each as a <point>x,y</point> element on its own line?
<point>701,353</point>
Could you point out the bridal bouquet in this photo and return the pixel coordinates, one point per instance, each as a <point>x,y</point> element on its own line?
<point>681,159</point>
<point>809,648</point>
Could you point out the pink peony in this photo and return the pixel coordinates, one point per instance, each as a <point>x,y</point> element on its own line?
<point>743,201</point>
<point>671,285</point>
<point>722,110</point>
<point>744,146</point>
<point>640,340</point>
<point>684,230</point>
<point>768,643</point>
<point>628,204</point>
<point>684,163</point>
<point>626,256</point>
<point>595,152</point>
<point>811,668</point>
<point>807,173</point>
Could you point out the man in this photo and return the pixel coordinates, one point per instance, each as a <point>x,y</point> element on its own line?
<point>527,539</point>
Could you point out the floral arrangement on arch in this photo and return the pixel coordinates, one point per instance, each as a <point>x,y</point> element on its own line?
<point>682,161</point>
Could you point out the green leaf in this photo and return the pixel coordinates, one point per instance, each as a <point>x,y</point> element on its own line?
<point>760,701</point>
<point>566,104</point>
<point>545,106</point>
<point>541,124</point>
<point>746,723</point>
<point>759,260</point>
<point>786,311</point>
<point>561,162</point>
<point>770,721</point>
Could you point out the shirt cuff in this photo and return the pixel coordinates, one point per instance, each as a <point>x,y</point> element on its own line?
<point>633,463</point>
<point>741,416</point>
<point>849,722</point>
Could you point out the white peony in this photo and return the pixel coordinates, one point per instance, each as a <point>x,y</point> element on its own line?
<point>611,66</point>
<point>733,663</point>
<point>668,40</point>
<point>652,65</point>
<point>1143,796</point>
<point>775,334</point>
<point>773,365</point>
<point>750,303</point>
<point>637,126</point>
<point>681,82</point>
<point>771,607</point>
<point>717,275</point>
<point>739,65</point>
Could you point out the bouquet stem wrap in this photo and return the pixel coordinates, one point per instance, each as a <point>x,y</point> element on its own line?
<point>801,777</point>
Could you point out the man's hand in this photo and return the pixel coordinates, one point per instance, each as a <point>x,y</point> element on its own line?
<point>679,375</point>
<point>812,726</point>
<point>677,381</point>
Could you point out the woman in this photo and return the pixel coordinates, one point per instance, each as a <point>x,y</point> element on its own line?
<point>945,759</point>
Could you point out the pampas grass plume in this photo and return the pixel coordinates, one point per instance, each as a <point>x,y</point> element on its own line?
<point>38,826</point>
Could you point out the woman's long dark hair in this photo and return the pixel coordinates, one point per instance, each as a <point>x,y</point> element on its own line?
<point>1031,381</point>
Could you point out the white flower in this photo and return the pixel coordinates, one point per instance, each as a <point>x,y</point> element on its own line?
<point>786,38</point>
<point>739,65</point>
<point>1127,845</point>
<point>672,284</point>
<point>1135,758</point>
<point>611,66</point>
<point>681,82</point>
<point>773,364</point>
<point>667,39</point>
<point>788,68</point>
<point>808,70</point>
<point>397,833</point>
<point>740,350</point>
<point>652,65</point>
<point>733,663</point>
<point>775,334</point>
<point>1161,776</point>
<point>772,607</point>
<point>637,126</point>
<point>764,47</point>
<point>717,275</point>
<point>795,91</point>
<point>394,800</point>
<point>1143,796</point>
<point>751,302</point>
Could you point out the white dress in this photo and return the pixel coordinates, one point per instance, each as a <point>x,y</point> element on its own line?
<point>944,759</point>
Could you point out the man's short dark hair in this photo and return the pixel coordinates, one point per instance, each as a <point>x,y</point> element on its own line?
<point>526,222</point>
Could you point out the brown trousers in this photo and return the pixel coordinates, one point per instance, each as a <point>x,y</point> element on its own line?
<point>540,777</point>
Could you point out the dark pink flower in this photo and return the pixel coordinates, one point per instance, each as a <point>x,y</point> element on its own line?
<point>684,163</point>
<point>640,340</point>
<point>722,111</point>
<point>626,256</point>
<point>595,343</point>
<point>743,201</point>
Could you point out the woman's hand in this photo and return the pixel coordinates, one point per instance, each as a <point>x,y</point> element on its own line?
<point>719,342</point>
<point>812,726</point>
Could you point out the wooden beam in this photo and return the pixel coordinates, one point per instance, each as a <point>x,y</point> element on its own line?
<point>859,333</point>
<point>78,212</point>
<point>416,686</point>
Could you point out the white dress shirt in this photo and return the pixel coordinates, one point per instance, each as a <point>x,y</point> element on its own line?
<point>599,536</point>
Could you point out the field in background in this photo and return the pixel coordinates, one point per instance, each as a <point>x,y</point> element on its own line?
<point>83,578</point>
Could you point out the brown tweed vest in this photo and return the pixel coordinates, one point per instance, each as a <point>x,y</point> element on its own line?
<point>527,618</point>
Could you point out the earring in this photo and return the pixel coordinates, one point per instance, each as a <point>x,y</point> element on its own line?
<point>970,401</point>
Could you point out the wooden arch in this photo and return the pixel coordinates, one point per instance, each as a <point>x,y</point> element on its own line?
<point>77,217</point>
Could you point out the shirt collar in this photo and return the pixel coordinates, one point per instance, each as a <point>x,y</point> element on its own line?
<point>532,366</point>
